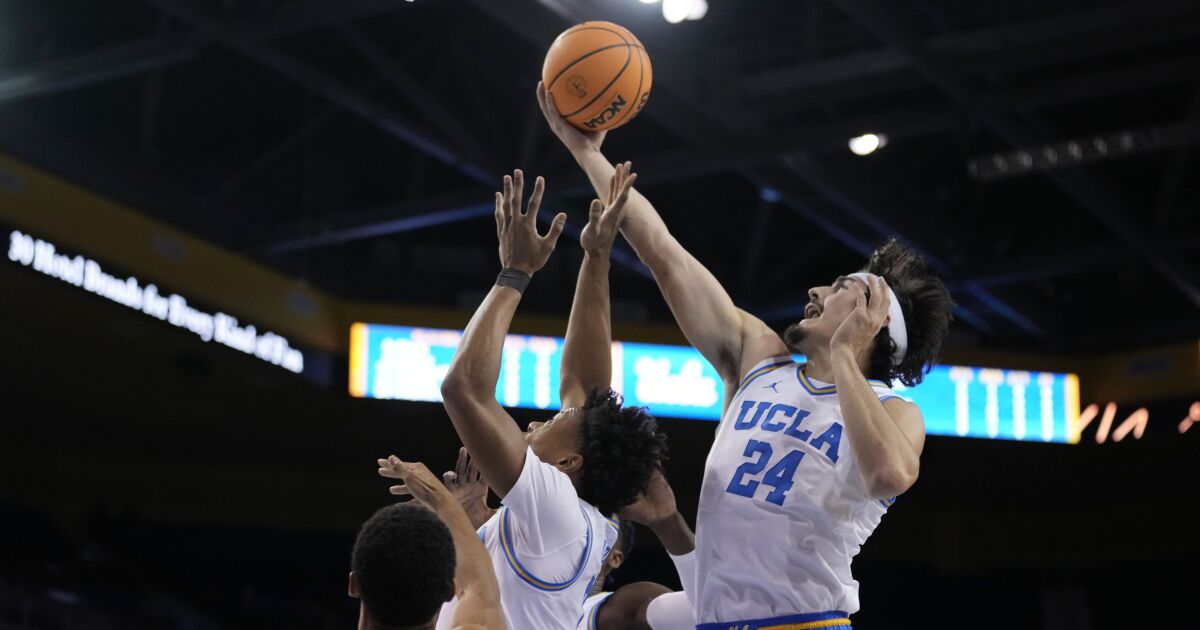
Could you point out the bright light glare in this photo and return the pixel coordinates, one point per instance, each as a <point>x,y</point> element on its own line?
<point>867,143</point>
<point>676,11</point>
<point>699,9</point>
<point>648,1</point>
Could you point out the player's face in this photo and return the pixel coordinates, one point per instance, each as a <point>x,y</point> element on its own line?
<point>557,438</point>
<point>828,306</point>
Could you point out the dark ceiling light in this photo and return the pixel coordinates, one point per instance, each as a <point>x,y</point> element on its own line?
<point>1082,150</point>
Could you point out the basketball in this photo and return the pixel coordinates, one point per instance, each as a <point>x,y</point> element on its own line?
<point>599,74</point>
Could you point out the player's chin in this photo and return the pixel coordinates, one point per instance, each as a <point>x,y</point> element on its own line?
<point>794,334</point>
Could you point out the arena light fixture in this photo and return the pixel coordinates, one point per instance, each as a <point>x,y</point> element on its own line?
<point>867,143</point>
<point>647,1</point>
<point>676,11</point>
<point>699,9</point>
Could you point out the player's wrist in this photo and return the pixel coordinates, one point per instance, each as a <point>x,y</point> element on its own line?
<point>586,153</point>
<point>598,254</point>
<point>515,276</point>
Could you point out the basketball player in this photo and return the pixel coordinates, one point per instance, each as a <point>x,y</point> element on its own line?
<point>648,605</point>
<point>807,457</point>
<point>635,606</point>
<point>408,560</point>
<point>562,480</point>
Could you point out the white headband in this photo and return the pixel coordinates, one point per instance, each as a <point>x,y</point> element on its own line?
<point>897,329</point>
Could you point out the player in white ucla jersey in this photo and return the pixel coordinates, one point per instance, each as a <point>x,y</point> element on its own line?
<point>635,605</point>
<point>790,497</point>
<point>562,480</point>
<point>647,604</point>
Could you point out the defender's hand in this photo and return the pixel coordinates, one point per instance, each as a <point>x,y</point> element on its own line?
<point>521,247</point>
<point>419,482</point>
<point>604,223</point>
<point>655,505</point>
<point>465,482</point>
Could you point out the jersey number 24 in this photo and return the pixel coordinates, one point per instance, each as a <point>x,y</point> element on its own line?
<point>779,477</point>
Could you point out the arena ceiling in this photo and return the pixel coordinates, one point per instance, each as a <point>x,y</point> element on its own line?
<point>356,144</point>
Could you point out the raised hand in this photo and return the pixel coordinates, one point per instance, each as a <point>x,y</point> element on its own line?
<point>655,505</point>
<point>576,140</point>
<point>521,247</point>
<point>861,326</point>
<point>604,222</point>
<point>467,485</point>
<point>418,482</point>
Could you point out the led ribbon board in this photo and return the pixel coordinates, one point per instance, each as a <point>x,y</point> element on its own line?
<point>400,362</point>
<point>172,308</point>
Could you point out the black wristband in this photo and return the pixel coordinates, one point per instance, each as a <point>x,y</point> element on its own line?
<point>514,278</point>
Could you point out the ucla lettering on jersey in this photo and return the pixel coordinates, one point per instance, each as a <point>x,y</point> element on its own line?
<point>783,507</point>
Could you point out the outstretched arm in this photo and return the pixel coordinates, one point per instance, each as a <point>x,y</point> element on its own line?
<point>469,389</point>
<point>475,583</point>
<point>730,338</point>
<point>627,607</point>
<point>587,351</point>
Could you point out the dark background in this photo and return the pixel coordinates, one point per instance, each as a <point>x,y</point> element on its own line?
<point>152,481</point>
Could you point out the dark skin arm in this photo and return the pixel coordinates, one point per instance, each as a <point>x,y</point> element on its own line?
<point>469,389</point>
<point>656,509</point>
<point>587,351</point>
<point>626,608</point>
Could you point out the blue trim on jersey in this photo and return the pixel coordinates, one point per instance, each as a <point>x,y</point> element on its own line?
<point>755,624</point>
<point>809,387</point>
<point>759,372</point>
<point>888,503</point>
<point>888,397</point>
<point>825,390</point>
<point>523,573</point>
<point>596,611</point>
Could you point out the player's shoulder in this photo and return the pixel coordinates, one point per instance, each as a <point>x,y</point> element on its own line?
<point>885,391</point>
<point>762,366</point>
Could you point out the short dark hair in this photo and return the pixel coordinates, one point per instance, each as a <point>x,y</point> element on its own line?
<point>404,561</point>
<point>622,446</point>
<point>926,305</point>
<point>627,537</point>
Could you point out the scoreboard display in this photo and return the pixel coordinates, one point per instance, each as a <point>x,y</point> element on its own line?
<point>405,363</point>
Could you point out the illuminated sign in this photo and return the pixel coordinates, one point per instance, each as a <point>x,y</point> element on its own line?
<point>406,363</point>
<point>1134,424</point>
<point>172,308</point>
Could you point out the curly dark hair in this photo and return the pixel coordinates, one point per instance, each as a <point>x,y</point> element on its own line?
<point>622,446</point>
<point>926,305</point>
<point>404,560</point>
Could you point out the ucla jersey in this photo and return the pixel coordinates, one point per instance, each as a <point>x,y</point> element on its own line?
<point>547,592</point>
<point>783,507</point>
<point>591,611</point>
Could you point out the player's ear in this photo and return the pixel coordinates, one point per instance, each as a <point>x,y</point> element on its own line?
<point>570,463</point>
<point>353,590</point>
<point>616,558</point>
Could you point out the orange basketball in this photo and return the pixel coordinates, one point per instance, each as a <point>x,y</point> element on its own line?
<point>599,74</point>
